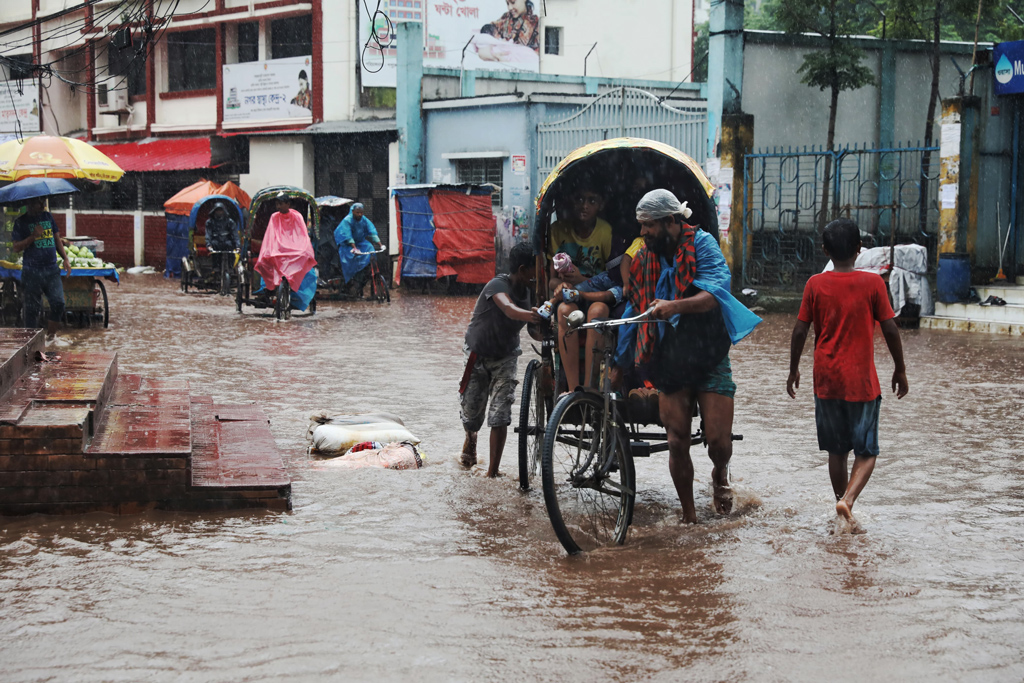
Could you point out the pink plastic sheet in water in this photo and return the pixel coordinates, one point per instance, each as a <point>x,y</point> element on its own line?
<point>286,251</point>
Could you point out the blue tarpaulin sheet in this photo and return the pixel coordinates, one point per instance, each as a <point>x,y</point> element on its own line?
<point>416,218</point>
<point>177,243</point>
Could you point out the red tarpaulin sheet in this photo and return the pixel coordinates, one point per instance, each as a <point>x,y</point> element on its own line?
<point>182,203</point>
<point>464,235</point>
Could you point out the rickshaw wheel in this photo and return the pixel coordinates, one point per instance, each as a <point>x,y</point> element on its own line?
<point>586,509</point>
<point>534,409</point>
<point>380,289</point>
<point>283,304</point>
<point>225,277</point>
<point>101,308</point>
<point>312,305</point>
<point>184,280</point>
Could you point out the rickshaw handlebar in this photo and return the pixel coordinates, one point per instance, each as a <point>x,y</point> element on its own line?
<point>370,253</point>
<point>576,319</point>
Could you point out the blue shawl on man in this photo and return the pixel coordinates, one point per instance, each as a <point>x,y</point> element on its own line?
<point>713,277</point>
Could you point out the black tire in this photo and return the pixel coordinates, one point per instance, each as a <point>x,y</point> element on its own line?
<point>225,276</point>
<point>101,309</point>
<point>312,305</point>
<point>184,280</point>
<point>283,303</point>
<point>587,509</point>
<point>380,289</point>
<point>534,409</point>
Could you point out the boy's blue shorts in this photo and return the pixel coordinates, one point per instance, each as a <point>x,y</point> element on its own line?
<point>845,426</point>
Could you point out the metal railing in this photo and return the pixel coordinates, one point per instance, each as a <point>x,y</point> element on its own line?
<point>891,194</point>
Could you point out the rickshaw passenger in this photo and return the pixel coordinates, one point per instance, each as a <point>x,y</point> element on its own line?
<point>286,252</point>
<point>356,233</point>
<point>587,240</point>
<point>221,233</point>
<point>681,276</point>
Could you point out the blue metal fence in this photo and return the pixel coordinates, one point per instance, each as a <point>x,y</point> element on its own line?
<point>883,190</point>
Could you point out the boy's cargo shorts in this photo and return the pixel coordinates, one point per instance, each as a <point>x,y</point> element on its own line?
<point>845,426</point>
<point>494,378</point>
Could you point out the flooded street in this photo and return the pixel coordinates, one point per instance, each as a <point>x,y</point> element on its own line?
<point>438,574</point>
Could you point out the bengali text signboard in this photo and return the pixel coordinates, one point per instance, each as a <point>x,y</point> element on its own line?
<point>19,108</point>
<point>271,90</point>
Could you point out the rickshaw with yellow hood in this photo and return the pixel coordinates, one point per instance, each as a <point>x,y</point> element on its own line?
<point>583,443</point>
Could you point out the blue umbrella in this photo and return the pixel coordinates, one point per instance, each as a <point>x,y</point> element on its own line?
<point>30,188</point>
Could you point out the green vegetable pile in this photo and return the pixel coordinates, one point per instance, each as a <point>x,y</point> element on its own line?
<point>82,257</point>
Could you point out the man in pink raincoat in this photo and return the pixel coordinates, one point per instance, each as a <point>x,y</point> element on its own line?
<point>286,251</point>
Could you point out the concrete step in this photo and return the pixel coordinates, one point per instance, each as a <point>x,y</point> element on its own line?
<point>935,322</point>
<point>18,349</point>
<point>1010,313</point>
<point>52,406</point>
<point>1012,294</point>
<point>234,449</point>
<point>149,418</point>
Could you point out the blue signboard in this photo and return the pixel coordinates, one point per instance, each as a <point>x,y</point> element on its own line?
<point>1009,72</point>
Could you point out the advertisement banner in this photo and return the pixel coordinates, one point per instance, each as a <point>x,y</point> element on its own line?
<point>1009,71</point>
<point>19,108</point>
<point>274,89</point>
<point>487,35</point>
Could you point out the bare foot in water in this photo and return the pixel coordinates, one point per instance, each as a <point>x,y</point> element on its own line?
<point>722,496</point>
<point>844,511</point>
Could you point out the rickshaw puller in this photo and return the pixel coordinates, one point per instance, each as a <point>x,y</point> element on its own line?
<point>681,276</point>
<point>355,233</point>
<point>285,250</point>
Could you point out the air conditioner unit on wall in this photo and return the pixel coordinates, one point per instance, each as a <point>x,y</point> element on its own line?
<point>111,101</point>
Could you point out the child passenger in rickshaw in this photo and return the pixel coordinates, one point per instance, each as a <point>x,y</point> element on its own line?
<point>583,277</point>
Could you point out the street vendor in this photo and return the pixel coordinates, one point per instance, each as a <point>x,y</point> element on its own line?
<point>286,252</point>
<point>36,234</point>
<point>681,276</point>
<point>355,233</point>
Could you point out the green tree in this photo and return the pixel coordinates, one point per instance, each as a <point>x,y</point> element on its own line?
<point>837,67</point>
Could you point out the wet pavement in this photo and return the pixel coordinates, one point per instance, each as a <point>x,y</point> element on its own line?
<point>438,574</point>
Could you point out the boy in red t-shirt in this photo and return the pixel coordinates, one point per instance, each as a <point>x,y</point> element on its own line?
<point>844,305</point>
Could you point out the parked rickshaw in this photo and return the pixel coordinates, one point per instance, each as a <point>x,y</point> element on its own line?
<point>332,211</point>
<point>585,443</point>
<point>249,282</point>
<point>210,263</point>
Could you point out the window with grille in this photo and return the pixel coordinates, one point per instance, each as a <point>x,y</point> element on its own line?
<point>552,40</point>
<point>126,69</point>
<point>191,60</point>
<point>480,171</point>
<point>291,37</point>
<point>249,41</point>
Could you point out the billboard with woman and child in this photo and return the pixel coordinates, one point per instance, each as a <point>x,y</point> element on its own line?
<point>498,35</point>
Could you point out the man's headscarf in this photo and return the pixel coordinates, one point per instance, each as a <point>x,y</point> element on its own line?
<point>658,204</point>
<point>645,270</point>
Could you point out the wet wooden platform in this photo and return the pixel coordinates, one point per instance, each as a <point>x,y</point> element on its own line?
<point>78,436</point>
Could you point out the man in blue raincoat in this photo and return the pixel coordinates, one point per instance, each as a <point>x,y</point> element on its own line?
<point>354,234</point>
<point>680,276</point>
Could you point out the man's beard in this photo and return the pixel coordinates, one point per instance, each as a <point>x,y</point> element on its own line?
<point>662,245</point>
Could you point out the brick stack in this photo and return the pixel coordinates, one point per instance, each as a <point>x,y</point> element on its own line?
<point>77,436</point>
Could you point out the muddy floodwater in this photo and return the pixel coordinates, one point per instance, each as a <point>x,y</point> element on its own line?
<point>440,574</point>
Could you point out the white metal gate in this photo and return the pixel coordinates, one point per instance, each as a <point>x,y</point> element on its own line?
<point>624,112</point>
